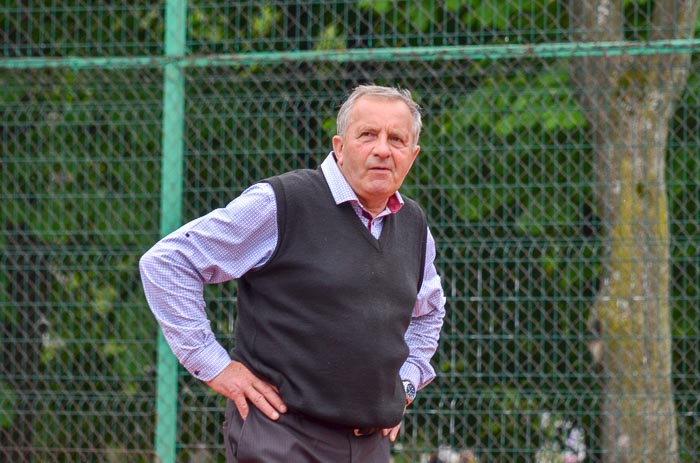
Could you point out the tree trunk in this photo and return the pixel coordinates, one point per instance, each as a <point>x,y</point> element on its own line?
<point>628,103</point>
<point>633,304</point>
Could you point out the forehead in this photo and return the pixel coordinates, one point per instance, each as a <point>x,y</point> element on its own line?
<point>370,110</point>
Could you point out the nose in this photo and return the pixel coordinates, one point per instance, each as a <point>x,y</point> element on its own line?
<point>382,148</point>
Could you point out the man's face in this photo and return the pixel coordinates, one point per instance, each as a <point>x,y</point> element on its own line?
<point>377,150</point>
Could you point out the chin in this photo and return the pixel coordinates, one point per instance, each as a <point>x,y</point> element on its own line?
<point>380,193</point>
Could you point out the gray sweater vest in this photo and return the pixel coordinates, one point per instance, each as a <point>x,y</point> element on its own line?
<point>324,319</point>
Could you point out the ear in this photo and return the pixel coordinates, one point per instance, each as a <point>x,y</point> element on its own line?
<point>338,149</point>
<point>415,154</point>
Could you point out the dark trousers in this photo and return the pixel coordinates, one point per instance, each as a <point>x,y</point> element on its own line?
<point>296,439</point>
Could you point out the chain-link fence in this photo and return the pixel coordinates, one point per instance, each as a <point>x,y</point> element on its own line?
<point>559,170</point>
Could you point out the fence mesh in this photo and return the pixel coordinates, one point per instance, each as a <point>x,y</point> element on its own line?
<point>509,175</point>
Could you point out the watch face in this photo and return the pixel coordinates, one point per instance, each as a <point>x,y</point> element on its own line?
<point>410,390</point>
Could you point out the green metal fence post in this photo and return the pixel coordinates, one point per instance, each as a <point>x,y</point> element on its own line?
<point>170,212</point>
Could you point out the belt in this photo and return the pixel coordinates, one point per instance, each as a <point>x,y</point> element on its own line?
<point>357,432</point>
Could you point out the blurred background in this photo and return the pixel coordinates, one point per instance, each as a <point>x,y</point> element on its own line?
<point>559,171</point>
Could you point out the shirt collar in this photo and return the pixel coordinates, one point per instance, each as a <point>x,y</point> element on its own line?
<point>341,190</point>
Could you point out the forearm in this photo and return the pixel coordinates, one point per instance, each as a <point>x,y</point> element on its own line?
<point>423,332</point>
<point>174,291</point>
<point>422,339</point>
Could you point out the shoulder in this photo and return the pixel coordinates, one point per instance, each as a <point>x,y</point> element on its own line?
<point>294,176</point>
<point>301,181</point>
<point>256,197</point>
<point>415,210</point>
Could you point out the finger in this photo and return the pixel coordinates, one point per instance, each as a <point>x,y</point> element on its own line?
<point>272,396</point>
<point>261,402</point>
<point>242,407</point>
<point>394,433</point>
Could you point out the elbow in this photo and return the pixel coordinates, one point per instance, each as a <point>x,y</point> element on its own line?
<point>147,263</point>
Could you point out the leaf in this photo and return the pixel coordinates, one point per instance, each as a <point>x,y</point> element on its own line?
<point>8,402</point>
<point>265,21</point>
<point>419,18</point>
<point>382,7</point>
<point>455,5</point>
<point>330,40</point>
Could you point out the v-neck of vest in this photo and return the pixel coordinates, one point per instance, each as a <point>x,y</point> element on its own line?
<point>376,242</point>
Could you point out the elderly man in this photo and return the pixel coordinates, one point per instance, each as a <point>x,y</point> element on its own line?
<point>339,303</point>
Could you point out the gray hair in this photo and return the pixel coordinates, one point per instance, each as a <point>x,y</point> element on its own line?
<point>390,93</point>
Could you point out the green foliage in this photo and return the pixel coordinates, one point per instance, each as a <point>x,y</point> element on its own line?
<point>84,150</point>
<point>8,405</point>
<point>48,28</point>
<point>380,7</point>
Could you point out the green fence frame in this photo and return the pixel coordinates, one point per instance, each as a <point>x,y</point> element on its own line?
<point>171,212</point>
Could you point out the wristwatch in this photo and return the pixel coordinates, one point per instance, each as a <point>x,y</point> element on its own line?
<point>410,391</point>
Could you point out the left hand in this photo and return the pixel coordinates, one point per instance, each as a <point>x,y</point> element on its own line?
<point>393,433</point>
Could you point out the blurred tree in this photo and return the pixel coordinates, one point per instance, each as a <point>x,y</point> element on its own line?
<point>628,102</point>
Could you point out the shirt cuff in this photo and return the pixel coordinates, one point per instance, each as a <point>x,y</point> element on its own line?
<point>410,372</point>
<point>208,362</point>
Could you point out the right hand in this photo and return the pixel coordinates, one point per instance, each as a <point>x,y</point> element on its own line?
<point>239,384</point>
